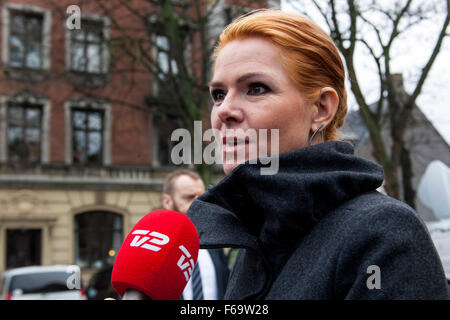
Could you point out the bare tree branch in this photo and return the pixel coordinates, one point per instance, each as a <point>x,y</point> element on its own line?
<point>426,69</point>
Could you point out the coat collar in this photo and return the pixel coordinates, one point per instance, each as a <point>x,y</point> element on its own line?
<point>270,214</point>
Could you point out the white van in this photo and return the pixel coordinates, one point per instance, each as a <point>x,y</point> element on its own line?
<point>59,282</point>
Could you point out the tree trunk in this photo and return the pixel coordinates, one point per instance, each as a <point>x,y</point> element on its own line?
<point>205,171</point>
<point>409,194</point>
<point>391,184</point>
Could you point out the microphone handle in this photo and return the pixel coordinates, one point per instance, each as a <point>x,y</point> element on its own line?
<point>134,295</point>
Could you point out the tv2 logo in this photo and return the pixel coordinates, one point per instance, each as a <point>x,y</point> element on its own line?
<point>189,265</point>
<point>149,240</point>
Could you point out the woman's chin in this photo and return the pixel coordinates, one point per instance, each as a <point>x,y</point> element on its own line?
<point>227,168</point>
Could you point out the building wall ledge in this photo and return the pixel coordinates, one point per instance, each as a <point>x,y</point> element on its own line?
<point>62,176</point>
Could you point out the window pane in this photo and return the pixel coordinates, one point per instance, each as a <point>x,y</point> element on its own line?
<point>88,124</point>
<point>93,58</point>
<point>32,135</point>
<point>174,67</point>
<point>78,34</point>
<point>17,25</point>
<point>24,130</point>
<point>33,151</point>
<point>163,58</point>
<point>15,115</point>
<point>163,62</point>
<point>95,121</point>
<point>33,58</point>
<point>79,119</point>
<point>17,148</point>
<point>33,116</point>
<point>95,34</point>
<point>162,42</point>
<point>41,282</point>
<point>34,27</point>
<point>17,50</point>
<point>95,146</point>
<point>15,135</point>
<point>79,147</point>
<point>32,138</point>
<point>78,57</point>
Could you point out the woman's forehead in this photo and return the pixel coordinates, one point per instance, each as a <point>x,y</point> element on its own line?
<point>253,48</point>
<point>247,58</point>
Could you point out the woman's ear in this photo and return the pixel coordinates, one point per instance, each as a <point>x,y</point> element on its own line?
<point>167,202</point>
<point>325,108</point>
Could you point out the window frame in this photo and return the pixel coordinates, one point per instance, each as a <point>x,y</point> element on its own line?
<point>88,104</point>
<point>112,231</point>
<point>45,36</point>
<point>104,54</point>
<point>23,126</point>
<point>86,133</point>
<point>156,29</point>
<point>32,99</point>
<point>27,37</point>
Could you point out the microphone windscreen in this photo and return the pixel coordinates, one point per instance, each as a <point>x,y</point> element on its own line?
<point>158,256</point>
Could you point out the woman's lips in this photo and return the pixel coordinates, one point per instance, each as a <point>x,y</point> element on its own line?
<point>233,144</point>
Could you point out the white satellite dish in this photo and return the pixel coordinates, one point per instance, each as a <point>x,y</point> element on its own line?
<point>434,189</point>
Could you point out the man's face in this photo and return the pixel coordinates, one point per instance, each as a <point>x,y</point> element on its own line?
<point>185,190</point>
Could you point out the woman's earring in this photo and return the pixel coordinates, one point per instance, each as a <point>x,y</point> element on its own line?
<point>314,134</point>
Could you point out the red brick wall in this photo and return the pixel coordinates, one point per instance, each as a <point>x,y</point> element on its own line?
<point>131,126</point>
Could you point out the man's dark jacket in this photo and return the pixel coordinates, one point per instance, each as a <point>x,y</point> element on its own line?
<point>318,229</point>
<point>222,273</point>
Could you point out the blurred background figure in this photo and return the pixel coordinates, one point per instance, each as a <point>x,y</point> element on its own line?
<point>210,276</point>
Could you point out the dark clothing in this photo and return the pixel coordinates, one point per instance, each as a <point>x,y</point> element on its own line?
<point>222,273</point>
<point>312,230</point>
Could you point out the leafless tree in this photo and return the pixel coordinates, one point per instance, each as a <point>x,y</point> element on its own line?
<point>378,26</point>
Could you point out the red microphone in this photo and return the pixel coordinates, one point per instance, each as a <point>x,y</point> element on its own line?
<point>157,257</point>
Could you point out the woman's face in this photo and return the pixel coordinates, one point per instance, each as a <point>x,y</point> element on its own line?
<point>251,90</point>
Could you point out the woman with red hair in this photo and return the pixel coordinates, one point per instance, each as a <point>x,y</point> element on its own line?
<point>317,228</point>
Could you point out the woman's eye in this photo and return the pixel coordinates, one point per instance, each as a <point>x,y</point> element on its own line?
<point>257,89</point>
<point>218,95</point>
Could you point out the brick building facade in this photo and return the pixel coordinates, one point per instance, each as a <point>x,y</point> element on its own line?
<point>78,166</point>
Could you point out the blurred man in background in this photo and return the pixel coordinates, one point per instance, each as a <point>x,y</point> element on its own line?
<point>210,276</point>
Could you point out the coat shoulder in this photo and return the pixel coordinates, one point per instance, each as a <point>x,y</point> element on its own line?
<point>379,231</point>
<point>374,212</point>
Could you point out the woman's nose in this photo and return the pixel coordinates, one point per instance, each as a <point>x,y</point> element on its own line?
<point>230,110</point>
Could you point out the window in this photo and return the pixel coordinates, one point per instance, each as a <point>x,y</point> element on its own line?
<point>40,282</point>
<point>24,133</point>
<point>87,46</point>
<point>23,247</point>
<point>87,136</point>
<point>163,126</point>
<point>166,65</point>
<point>98,237</point>
<point>25,39</point>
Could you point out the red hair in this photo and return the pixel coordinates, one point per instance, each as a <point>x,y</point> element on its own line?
<point>309,55</point>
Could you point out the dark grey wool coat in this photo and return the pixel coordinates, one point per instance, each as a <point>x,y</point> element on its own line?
<point>318,230</point>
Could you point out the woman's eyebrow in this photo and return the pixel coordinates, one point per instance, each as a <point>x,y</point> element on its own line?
<point>242,78</point>
<point>215,84</point>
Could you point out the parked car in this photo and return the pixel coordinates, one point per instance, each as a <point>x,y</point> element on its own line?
<point>59,282</point>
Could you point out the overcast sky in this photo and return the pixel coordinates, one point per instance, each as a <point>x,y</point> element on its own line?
<point>409,55</point>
